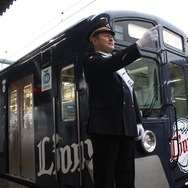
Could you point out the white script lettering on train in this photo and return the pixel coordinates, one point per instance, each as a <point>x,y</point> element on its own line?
<point>179,144</point>
<point>67,157</point>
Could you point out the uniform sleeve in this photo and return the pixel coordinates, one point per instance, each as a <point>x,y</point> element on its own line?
<point>96,65</point>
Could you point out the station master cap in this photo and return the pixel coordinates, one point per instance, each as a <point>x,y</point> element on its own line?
<point>102,26</point>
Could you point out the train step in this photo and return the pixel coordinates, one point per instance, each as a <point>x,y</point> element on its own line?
<point>4,183</point>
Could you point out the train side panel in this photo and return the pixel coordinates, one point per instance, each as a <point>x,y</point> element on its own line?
<point>44,109</point>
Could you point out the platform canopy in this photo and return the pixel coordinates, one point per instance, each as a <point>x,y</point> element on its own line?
<point>4,5</point>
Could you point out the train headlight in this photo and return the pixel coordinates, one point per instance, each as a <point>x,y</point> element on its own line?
<point>149,141</point>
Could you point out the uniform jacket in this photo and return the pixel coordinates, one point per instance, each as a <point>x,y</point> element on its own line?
<point>112,111</point>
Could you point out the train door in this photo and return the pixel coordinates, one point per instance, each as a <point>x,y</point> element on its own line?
<point>21,128</point>
<point>150,153</point>
<point>67,130</point>
<point>169,146</point>
<point>178,116</point>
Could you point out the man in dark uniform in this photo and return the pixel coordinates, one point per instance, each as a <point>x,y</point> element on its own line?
<point>115,120</point>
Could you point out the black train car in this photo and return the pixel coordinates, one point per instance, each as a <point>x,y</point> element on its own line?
<point>44,108</point>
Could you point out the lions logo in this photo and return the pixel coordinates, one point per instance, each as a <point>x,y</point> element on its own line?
<point>179,144</point>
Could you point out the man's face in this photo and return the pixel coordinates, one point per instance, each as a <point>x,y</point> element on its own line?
<point>103,42</point>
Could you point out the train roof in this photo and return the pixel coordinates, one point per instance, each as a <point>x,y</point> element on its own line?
<point>110,14</point>
<point>118,14</point>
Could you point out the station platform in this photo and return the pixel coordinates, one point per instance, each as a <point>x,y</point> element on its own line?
<point>4,183</point>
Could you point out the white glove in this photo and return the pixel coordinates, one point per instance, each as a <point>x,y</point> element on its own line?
<point>140,131</point>
<point>149,36</point>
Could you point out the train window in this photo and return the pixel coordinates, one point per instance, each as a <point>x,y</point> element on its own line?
<point>28,106</point>
<point>67,94</point>
<point>131,30</point>
<point>13,109</point>
<point>144,72</point>
<point>178,89</point>
<point>172,39</point>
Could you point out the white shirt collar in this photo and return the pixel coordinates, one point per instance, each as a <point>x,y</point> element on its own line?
<point>106,55</point>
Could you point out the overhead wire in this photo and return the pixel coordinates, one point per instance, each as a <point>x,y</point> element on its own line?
<point>48,30</point>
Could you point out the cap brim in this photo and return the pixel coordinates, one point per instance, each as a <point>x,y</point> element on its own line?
<point>103,31</point>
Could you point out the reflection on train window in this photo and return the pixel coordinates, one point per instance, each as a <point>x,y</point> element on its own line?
<point>131,30</point>
<point>144,72</point>
<point>27,106</point>
<point>67,94</point>
<point>178,89</point>
<point>13,109</point>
